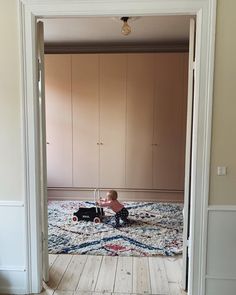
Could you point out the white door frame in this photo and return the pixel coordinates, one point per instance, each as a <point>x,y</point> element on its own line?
<point>205,11</point>
<point>188,152</point>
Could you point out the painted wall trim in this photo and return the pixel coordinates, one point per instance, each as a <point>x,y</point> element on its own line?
<point>220,278</point>
<point>170,198</point>
<point>43,8</point>
<point>10,290</point>
<point>52,198</point>
<point>222,208</point>
<point>80,194</point>
<point>208,132</point>
<point>13,268</point>
<point>118,189</point>
<point>12,203</point>
<point>30,223</point>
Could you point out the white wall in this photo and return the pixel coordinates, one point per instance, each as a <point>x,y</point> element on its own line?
<point>11,152</point>
<point>13,270</point>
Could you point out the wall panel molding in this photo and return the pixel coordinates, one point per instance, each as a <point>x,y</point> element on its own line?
<point>220,286</point>
<point>220,278</point>
<point>221,241</point>
<point>13,269</point>
<point>222,208</point>
<point>11,204</point>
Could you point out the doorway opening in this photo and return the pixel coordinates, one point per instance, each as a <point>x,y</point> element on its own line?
<point>205,14</point>
<point>65,178</point>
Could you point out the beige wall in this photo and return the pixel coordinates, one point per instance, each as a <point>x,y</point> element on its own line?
<point>223,188</point>
<point>11,169</point>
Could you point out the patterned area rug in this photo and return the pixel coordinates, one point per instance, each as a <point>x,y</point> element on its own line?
<point>153,229</point>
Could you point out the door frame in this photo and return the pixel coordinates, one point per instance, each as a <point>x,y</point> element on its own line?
<point>205,12</point>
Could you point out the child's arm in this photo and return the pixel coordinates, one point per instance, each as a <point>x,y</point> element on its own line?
<point>100,201</point>
<point>104,203</point>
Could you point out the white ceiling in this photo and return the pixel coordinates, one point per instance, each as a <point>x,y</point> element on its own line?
<point>107,30</point>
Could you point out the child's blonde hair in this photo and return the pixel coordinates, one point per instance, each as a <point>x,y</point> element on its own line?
<point>113,195</point>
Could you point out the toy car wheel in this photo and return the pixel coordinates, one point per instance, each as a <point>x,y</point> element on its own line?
<point>75,218</point>
<point>96,220</point>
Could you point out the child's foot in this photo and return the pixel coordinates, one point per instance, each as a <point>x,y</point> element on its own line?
<point>125,222</point>
<point>116,225</point>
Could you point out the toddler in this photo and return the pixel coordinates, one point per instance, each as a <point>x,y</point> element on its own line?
<point>112,203</point>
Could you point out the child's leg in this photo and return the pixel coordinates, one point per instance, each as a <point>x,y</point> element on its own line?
<point>117,218</point>
<point>124,214</point>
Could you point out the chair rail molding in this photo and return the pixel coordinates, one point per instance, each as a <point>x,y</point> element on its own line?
<point>12,204</point>
<point>205,12</point>
<point>222,208</point>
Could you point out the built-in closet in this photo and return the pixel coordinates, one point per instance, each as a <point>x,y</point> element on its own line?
<point>116,121</point>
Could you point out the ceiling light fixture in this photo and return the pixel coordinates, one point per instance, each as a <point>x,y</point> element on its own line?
<point>126,29</point>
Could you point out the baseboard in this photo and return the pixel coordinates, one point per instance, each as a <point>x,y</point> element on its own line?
<point>13,280</point>
<point>129,195</point>
<point>9,290</point>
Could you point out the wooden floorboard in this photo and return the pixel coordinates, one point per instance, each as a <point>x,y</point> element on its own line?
<point>108,275</point>
<point>90,293</point>
<point>51,259</point>
<point>124,275</point>
<point>141,277</point>
<point>173,269</point>
<point>57,270</point>
<point>90,273</point>
<point>175,289</point>
<point>72,274</point>
<point>158,277</point>
<point>60,292</point>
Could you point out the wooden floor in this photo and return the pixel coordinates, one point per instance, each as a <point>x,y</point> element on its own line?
<point>96,275</point>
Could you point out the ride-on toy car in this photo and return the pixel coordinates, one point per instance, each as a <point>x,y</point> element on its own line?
<point>94,214</point>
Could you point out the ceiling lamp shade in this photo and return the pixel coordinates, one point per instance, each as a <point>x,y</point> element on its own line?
<point>126,29</point>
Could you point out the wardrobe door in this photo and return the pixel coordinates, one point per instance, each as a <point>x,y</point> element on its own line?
<point>170,120</point>
<point>58,119</point>
<point>85,99</point>
<point>112,120</point>
<point>139,132</point>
